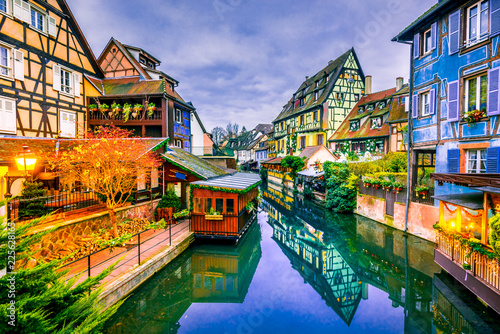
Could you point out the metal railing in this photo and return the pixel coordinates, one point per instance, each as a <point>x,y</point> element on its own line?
<point>88,263</point>
<point>488,270</point>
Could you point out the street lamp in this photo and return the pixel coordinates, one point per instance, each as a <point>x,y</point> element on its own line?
<point>26,160</point>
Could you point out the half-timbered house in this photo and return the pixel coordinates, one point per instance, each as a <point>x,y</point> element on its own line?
<point>320,105</point>
<point>44,63</point>
<point>139,97</point>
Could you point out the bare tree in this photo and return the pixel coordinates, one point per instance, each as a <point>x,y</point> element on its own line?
<point>218,135</point>
<point>229,131</point>
<point>236,127</point>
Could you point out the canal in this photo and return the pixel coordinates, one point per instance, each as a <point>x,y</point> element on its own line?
<point>300,269</point>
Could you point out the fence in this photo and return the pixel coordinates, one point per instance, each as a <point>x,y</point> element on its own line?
<point>400,196</point>
<point>482,267</point>
<point>99,260</point>
<point>141,115</point>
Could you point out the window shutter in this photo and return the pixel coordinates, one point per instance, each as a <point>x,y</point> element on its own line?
<point>8,116</point>
<point>407,103</point>
<point>415,106</point>
<point>453,93</point>
<point>67,124</point>
<point>416,46</point>
<point>52,27</point>
<point>18,65</point>
<point>454,161</point>
<point>76,80</point>
<point>18,9</point>
<point>494,17</point>
<point>434,35</point>
<point>56,72</point>
<point>493,160</point>
<point>493,107</point>
<point>432,102</point>
<point>26,15</point>
<point>454,32</point>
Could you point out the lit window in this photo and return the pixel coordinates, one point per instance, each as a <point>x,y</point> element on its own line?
<point>66,82</point>
<point>476,161</point>
<point>425,107</point>
<point>37,19</point>
<point>427,41</point>
<point>476,92</point>
<point>477,22</point>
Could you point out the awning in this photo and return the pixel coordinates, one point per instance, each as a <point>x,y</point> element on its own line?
<point>473,201</point>
<point>311,172</point>
<point>238,181</point>
<point>493,190</point>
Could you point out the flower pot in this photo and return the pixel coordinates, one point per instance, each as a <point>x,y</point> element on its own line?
<point>214,217</point>
<point>134,114</point>
<point>110,113</point>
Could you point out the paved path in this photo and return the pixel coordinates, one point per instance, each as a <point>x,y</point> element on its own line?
<point>152,242</point>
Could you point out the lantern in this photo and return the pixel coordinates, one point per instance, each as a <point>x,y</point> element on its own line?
<point>26,160</point>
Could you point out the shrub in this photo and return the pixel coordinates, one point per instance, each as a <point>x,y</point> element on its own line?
<point>263,174</point>
<point>36,206</point>
<point>170,200</point>
<point>495,233</point>
<point>308,193</point>
<point>340,197</point>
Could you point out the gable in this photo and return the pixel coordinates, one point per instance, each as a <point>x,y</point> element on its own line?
<point>115,63</point>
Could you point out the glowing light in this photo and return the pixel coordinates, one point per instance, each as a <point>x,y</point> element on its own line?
<point>26,160</point>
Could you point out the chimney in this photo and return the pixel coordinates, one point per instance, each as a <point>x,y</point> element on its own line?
<point>399,83</point>
<point>368,85</point>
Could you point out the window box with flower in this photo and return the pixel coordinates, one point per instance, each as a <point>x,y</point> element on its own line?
<point>473,116</point>
<point>422,190</point>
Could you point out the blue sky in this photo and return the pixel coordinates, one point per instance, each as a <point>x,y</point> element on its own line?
<point>241,60</point>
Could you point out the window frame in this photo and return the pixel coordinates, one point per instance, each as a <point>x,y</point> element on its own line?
<point>479,38</point>
<point>422,103</point>
<point>178,116</point>
<point>427,42</point>
<point>71,81</point>
<point>10,62</point>
<point>476,77</point>
<point>478,161</point>
<point>44,16</point>
<point>69,112</point>
<point>4,99</point>
<point>8,7</point>
<point>303,142</point>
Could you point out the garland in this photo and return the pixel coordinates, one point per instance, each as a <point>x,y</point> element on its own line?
<point>224,190</point>
<point>469,215</point>
<point>448,209</point>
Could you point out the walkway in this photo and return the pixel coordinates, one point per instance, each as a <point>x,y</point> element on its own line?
<point>152,242</point>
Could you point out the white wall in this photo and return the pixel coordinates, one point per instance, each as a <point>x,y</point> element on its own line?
<point>197,136</point>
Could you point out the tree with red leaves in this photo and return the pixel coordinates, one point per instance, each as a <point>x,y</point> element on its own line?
<point>108,162</point>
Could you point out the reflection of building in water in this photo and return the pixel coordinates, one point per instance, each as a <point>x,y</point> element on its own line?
<point>202,274</point>
<point>320,265</point>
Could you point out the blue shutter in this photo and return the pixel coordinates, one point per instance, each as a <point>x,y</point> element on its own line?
<point>454,32</point>
<point>454,161</point>
<point>434,36</point>
<point>453,94</point>
<point>493,160</point>
<point>432,102</point>
<point>416,46</point>
<point>493,107</point>
<point>494,17</point>
<point>414,106</point>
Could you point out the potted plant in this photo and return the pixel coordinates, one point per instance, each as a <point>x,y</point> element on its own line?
<point>213,215</point>
<point>367,182</point>
<point>103,108</point>
<point>386,184</point>
<point>398,186</point>
<point>168,205</point>
<point>92,107</point>
<point>127,109</point>
<point>151,109</point>
<point>422,190</point>
<point>138,107</point>
<point>250,207</point>
<point>473,116</point>
<point>376,183</point>
<point>116,108</point>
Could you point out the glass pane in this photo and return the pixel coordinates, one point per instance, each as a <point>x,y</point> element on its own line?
<point>473,23</point>
<point>484,92</point>
<point>208,283</point>
<point>219,283</point>
<point>428,41</point>
<point>482,166</point>
<point>3,5</point>
<point>4,60</point>
<point>483,154</point>
<point>484,19</point>
<point>219,205</point>
<point>229,205</point>
<point>198,206</point>
<point>33,18</point>
<point>197,281</point>
<point>229,283</point>
<point>208,205</point>
<point>472,94</point>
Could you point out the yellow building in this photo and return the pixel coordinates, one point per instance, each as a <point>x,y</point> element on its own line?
<point>45,62</point>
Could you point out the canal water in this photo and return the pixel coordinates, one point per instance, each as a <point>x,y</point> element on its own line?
<point>300,269</point>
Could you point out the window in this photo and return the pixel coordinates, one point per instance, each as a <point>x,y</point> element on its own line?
<point>340,96</point>
<point>315,96</point>
<point>8,115</point>
<point>354,126</point>
<point>302,101</point>
<point>356,97</point>
<point>66,82</point>
<point>67,124</point>
<point>427,41</point>
<point>219,205</point>
<point>3,5</point>
<point>382,105</point>
<point>178,115</point>
<point>302,142</point>
<point>5,68</point>
<point>476,161</point>
<point>425,107</point>
<point>37,19</point>
<point>476,91</point>
<point>371,107</point>
<point>198,205</point>
<point>376,122</point>
<point>178,143</point>
<point>316,84</point>
<point>315,116</point>
<point>320,140</point>
<point>208,205</point>
<point>477,22</point>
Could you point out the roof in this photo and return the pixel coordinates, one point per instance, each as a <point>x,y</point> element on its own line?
<point>398,110</point>
<point>438,9</point>
<point>158,62</point>
<point>332,70</point>
<point>311,172</point>
<point>365,131</point>
<point>199,167</point>
<point>132,86</point>
<point>272,161</point>
<point>237,181</point>
<point>310,151</point>
<point>264,128</point>
<point>473,201</point>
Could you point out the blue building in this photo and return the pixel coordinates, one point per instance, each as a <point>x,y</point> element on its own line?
<point>454,128</point>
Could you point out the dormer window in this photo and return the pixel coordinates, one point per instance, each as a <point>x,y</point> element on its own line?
<point>382,105</point>
<point>376,123</point>
<point>316,84</point>
<point>361,109</point>
<point>354,126</point>
<point>142,60</point>
<point>371,107</point>
<point>316,96</point>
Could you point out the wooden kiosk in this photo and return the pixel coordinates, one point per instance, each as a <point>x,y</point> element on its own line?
<point>221,207</point>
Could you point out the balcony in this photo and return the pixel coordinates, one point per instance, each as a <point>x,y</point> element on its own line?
<point>97,117</point>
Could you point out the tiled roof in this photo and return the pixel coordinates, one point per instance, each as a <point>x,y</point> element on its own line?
<point>308,86</point>
<point>265,128</point>
<point>308,152</point>
<point>272,161</point>
<point>398,113</point>
<point>238,181</point>
<point>133,86</point>
<point>199,167</point>
<point>344,133</point>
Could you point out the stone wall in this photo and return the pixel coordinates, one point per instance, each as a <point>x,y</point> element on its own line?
<point>72,233</point>
<point>421,217</point>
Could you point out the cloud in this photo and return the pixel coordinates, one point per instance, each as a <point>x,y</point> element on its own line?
<point>240,60</point>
